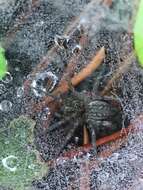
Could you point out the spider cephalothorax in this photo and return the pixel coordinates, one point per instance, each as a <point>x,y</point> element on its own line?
<point>100,115</point>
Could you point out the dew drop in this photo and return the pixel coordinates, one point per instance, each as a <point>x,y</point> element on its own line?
<point>37,89</point>
<point>7,78</point>
<point>132,157</point>
<point>32,166</point>
<point>2,89</point>
<point>5,106</point>
<point>45,114</point>
<point>76,49</point>
<point>10,163</point>
<point>20,92</point>
<point>17,69</point>
<point>76,140</point>
<point>45,82</point>
<point>103,176</point>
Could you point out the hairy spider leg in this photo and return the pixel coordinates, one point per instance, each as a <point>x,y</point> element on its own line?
<point>76,93</point>
<point>68,137</point>
<point>93,140</point>
<point>58,124</point>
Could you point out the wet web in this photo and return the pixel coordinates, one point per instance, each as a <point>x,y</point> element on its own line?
<point>48,21</point>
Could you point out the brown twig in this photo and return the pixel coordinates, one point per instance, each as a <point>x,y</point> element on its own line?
<point>83,74</point>
<point>117,140</point>
<point>112,147</point>
<point>85,136</point>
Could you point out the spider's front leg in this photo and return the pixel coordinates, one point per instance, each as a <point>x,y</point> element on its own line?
<point>93,139</point>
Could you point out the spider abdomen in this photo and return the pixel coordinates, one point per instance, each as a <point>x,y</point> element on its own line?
<point>103,117</point>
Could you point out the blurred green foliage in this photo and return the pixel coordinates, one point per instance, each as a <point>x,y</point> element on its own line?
<point>19,164</point>
<point>3,63</point>
<point>138,33</point>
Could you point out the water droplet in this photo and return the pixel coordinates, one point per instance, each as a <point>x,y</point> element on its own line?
<point>10,163</point>
<point>76,140</point>
<point>2,89</point>
<point>45,114</point>
<point>103,176</point>
<point>20,92</point>
<point>44,83</point>
<point>132,157</point>
<point>7,78</point>
<point>41,22</point>
<point>76,49</point>
<point>17,69</point>
<point>37,90</point>
<point>32,166</point>
<point>5,106</point>
<point>7,142</point>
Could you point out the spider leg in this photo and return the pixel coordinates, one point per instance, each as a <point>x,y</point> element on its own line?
<point>76,93</point>
<point>93,140</point>
<point>70,85</point>
<point>68,137</point>
<point>58,124</point>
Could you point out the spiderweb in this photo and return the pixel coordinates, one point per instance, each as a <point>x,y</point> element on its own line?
<point>19,166</point>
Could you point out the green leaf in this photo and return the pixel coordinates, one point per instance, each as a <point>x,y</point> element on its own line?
<point>3,63</point>
<point>138,33</point>
<point>18,157</point>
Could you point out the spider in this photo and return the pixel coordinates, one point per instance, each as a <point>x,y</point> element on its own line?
<point>65,115</point>
<point>100,115</point>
